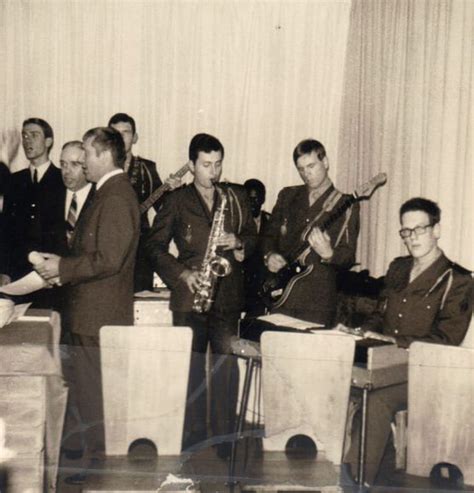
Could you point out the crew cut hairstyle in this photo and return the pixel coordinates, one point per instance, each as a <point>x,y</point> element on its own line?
<point>425,205</point>
<point>307,146</point>
<point>204,143</point>
<point>45,126</point>
<point>123,117</point>
<point>107,139</point>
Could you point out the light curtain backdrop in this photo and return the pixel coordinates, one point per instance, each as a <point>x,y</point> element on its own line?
<point>385,85</point>
<point>408,110</point>
<point>259,75</point>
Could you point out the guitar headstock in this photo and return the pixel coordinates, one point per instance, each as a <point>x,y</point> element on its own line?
<point>365,190</point>
<point>183,170</point>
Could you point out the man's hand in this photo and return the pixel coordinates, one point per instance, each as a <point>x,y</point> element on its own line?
<point>275,262</point>
<point>191,278</point>
<point>228,241</point>
<point>173,182</point>
<point>49,268</point>
<point>321,243</point>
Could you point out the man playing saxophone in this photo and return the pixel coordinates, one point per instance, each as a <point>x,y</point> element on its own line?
<point>212,227</point>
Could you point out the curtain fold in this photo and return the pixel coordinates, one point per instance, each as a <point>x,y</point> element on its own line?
<point>260,75</point>
<point>407,110</point>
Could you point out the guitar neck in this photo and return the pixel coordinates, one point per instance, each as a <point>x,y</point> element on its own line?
<point>158,193</point>
<point>324,225</point>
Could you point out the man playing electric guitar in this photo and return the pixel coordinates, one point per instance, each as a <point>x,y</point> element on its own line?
<point>311,296</point>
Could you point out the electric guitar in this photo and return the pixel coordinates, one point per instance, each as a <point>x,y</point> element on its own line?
<point>156,195</point>
<point>277,286</point>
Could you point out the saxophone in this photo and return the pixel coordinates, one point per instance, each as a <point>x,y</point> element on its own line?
<point>213,266</point>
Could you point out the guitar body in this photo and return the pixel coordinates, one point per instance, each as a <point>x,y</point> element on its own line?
<point>277,287</point>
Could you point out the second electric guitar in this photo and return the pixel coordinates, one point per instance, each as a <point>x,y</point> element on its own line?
<point>277,287</point>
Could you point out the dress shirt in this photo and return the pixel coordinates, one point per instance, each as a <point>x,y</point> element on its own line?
<point>81,196</point>
<point>41,170</point>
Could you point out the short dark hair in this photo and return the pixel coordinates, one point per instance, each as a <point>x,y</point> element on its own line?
<point>425,205</point>
<point>204,143</point>
<point>123,117</point>
<point>307,146</point>
<point>258,186</point>
<point>45,127</point>
<point>108,139</point>
<point>73,143</point>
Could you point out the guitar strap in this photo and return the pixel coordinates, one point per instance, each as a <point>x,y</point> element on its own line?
<point>328,206</point>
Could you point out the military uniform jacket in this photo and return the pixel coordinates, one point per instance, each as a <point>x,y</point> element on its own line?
<point>99,270</point>
<point>315,294</point>
<point>34,217</point>
<point>145,180</point>
<point>185,218</point>
<point>435,307</point>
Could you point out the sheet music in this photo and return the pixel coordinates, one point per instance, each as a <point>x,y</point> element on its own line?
<point>287,321</point>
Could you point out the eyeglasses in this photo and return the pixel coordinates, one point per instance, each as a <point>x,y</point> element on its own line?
<point>419,230</point>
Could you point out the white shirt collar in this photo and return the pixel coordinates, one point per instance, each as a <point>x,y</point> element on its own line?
<point>107,176</point>
<point>41,169</point>
<point>81,196</point>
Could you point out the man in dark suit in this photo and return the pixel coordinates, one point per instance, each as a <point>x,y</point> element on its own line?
<point>254,267</point>
<point>313,298</point>
<point>99,271</point>
<point>33,206</point>
<point>187,217</point>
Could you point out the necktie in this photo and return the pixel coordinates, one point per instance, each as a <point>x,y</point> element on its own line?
<point>71,219</point>
<point>35,177</point>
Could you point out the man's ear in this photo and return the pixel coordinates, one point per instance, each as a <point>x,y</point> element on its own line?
<point>135,138</point>
<point>437,231</point>
<point>325,162</point>
<point>191,166</point>
<point>49,143</point>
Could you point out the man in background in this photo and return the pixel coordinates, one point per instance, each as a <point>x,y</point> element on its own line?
<point>145,179</point>
<point>33,207</point>
<point>254,267</point>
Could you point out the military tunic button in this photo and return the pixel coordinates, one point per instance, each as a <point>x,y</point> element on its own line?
<point>400,315</point>
<point>428,306</point>
<point>404,300</point>
<point>395,331</point>
<point>307,220</point>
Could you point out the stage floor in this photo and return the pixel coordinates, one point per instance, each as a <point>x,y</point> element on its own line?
<point>255,471</point>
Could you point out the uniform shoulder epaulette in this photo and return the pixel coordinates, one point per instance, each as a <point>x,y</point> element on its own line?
<point>146,162</point>
<point>460,269</point>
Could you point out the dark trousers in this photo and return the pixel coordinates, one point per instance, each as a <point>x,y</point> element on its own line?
<point>216,329</point>
<point>87,376</point>
<point>382,406</point>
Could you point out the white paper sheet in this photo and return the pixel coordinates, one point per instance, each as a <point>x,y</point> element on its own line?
<point>27,284</point>
<point>285,320</point>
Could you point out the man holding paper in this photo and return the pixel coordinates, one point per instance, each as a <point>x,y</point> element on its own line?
<point>99,271</point>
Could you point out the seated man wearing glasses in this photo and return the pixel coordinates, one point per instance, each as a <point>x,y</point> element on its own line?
<point>426,297</point>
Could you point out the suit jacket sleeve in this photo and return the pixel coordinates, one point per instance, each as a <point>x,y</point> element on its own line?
<point>115,237</point>
<point>158,240</point>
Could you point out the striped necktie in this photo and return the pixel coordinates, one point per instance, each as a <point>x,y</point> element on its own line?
<point>71,219</point>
